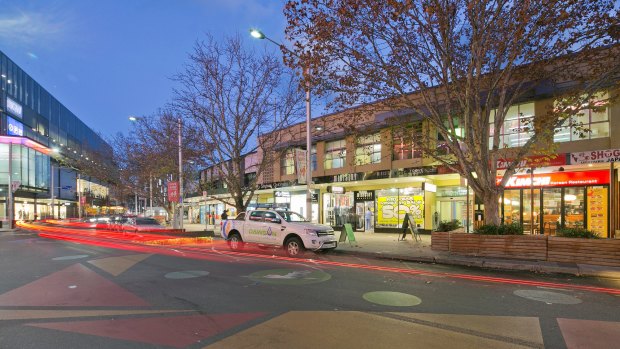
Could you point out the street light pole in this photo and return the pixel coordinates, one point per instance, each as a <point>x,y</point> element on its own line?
<point>257,34</point>
<point>308,149</point>
<point>180,177</point>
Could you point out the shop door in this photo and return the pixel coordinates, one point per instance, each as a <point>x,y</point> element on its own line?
<point>359,216</point>
<point>451,210</point>
<point>364,221</point>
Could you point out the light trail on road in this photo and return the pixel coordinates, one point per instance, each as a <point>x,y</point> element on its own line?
<point>217,250</point>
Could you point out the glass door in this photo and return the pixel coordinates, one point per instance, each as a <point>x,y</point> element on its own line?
<point>531,219</point>
<point>552,210</point>
<point>574,207</point>
<point>359,216</point>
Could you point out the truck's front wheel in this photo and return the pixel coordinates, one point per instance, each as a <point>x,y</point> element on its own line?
<point>294,247</point>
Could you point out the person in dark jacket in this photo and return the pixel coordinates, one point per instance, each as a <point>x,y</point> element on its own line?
<point>225,215</point>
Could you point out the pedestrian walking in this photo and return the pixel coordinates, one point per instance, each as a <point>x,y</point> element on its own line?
<point>368,218</point>
<point>225,215</point>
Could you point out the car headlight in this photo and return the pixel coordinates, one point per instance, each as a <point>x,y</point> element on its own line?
<point>311,232</point>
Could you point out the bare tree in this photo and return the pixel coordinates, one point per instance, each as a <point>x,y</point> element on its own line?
<point>148,156</point>
<point>238,95</point>
<point>460,65</point>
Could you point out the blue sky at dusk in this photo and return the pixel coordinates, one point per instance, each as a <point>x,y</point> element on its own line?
<point>106,60</point>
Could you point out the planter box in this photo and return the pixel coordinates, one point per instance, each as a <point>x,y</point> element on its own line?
<point>439,241</point>
<point>530,247</point>
<point>589,251</point>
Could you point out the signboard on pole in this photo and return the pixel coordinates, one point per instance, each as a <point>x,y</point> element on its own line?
<point>173,192</point>
<point>15,185</point>
<point>82,200</point>
<point>300,164</point>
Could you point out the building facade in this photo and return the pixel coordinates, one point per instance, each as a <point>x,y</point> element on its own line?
<point>37,135</point>
<point>372,177</point>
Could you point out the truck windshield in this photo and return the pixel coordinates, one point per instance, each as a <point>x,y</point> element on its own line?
<point>291,216</point>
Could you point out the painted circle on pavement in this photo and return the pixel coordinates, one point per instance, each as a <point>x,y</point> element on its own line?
<point>393,299</point>
<point>187,274</point>
<point>290,276</point>
<point>66,258</point>
<point>547,297</point>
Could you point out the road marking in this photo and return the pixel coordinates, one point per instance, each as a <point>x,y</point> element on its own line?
<point>312,329</point>
<point>17,314</point>
<point>547,297</point>
<point>590,334</point>
<point>393,299</point>
<point>174,331</point>
<point>188,274</point>
<point>118,265</point>
<point>290,276</point>
<point>67,258</point>
<point>52,290</point>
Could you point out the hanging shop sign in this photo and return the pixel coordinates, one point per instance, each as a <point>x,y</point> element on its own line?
<point>414,171</point>
<point>14,127</point>
<point>596,156</point>
<point>557,179</point>
<point>275,185</point>
<point>173,192</point>
<point>13,107</point>
<point>282,194</point>
<point>429,187</point>
<point>534,161</point>
<point>352,177</point>
<point>300,163</point>
<point>364,195</point>
<point>335,190</point>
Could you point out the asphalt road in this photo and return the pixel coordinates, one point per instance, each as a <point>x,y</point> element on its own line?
<point>57,293</point>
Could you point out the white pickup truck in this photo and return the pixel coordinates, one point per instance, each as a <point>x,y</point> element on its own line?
<point>278,228</point>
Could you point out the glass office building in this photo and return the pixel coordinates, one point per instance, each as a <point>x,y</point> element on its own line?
<point>35,131</point>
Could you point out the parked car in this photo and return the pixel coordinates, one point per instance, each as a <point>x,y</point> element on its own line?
<point>278,228</point>
<point>142,224</point>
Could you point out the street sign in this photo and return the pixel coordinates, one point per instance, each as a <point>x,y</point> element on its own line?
<point>15,185</point>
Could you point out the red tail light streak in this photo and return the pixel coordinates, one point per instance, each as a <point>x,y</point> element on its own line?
<point>217,250</point>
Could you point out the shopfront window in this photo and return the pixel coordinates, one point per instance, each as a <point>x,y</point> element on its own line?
<point>335,154</point>
<point>338,209</point>
<point>393,204</point>
<point>552,209</point>
<point>403,140</point>
<point>531,219</point>
<point>313,161</point>
<point>30,167</point>
<point>518,126</point>
<point>574,205</point>
<point>512,206</point>
<point>587,124</point>
<point>287,163</point>
<point>368,149</point>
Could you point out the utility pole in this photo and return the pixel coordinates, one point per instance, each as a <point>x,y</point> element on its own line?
<point>10,203</point>
<point>52,189</point>
<point>79,196</point>
<point>180,179</point>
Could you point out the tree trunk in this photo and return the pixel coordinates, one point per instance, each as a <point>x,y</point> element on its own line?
<point>239,204</point>
<point>491,199</point>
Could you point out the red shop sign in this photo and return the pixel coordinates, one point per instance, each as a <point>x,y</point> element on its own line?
<point>535,161</point>
<point>558,179</point>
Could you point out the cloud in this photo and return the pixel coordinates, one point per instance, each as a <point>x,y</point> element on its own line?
<point>28,27</point>
<point>258,8</point>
